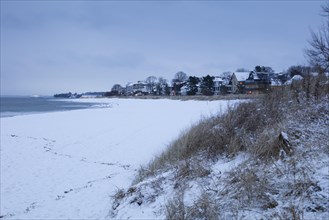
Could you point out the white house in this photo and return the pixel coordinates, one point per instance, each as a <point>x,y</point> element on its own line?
<point>218,82</point>
<point>136,88</point>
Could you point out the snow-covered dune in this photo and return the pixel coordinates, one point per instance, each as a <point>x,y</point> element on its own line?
<point>68,164</point>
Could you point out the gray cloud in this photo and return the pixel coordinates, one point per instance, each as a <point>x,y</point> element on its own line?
<point>49,46</point>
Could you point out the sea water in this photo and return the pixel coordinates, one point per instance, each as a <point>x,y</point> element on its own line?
<point>12,106</point>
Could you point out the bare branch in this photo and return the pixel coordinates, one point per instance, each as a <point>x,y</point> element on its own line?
<point>318,51</point>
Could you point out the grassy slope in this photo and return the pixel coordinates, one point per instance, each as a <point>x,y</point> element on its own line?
<point>284,173</point>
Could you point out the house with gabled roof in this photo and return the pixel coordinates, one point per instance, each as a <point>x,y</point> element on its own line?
<point>237,82</point>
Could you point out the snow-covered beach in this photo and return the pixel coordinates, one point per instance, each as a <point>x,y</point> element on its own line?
<point>67,164</point>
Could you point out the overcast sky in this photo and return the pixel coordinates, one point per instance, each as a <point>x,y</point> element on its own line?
<point>50,47</point>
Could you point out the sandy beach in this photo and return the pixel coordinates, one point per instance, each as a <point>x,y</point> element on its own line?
<point>68,164</point>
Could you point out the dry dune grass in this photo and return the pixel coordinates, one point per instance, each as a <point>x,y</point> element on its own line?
<point>254,126</point>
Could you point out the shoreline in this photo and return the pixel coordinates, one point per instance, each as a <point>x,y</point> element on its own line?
<point>185,98</point>
<point>31,106</point>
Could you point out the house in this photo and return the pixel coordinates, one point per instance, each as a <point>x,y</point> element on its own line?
<point>258,82</point>
<point>176,88</point>
<point>139,88</point>
<point>237,82</point>
<point>129,88</point>
<point>218,83</point>
<point>283,77</point>
<point>184,90</point>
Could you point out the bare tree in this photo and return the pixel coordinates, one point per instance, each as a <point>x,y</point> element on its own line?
<point>162,80</point>
<point>318,51</point>
<point>304,71</point>
<point>180,77</point>
<point>266,69</point>
<point>116,90</point>
<point>161,86</point>
<point>151,83</point>
<point>227,75</point>
<point>178,81</point>
<point>117,87</point>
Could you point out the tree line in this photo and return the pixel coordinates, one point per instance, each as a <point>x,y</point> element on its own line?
<point>193,85</point>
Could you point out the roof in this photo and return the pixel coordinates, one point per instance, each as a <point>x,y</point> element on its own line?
<point>297,77</point>
<point>294,78</point>
<point>218,79</point>
<point>255,75</point>
<point>265,75</point>
<point>241,76</point>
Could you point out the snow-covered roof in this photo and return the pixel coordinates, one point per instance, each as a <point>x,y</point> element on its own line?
<point>242,76</point>
<point>275,82</point>
<point>218,79</point>
<point>255,75</point>
<point>294,78</point>
<point>297,77</point>
<point>141,82</point>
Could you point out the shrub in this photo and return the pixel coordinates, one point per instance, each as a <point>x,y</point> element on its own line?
<point>175,208</point>
<point>203,208</point>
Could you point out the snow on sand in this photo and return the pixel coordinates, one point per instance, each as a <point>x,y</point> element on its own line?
<point>68,164</point>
